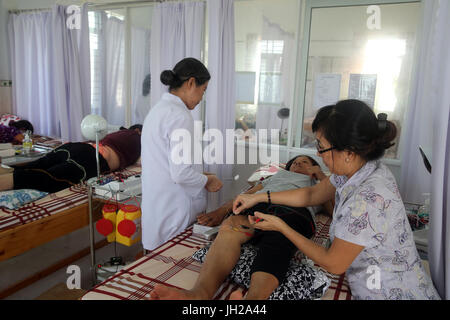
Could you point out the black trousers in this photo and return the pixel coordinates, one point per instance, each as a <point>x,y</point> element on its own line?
<point>275,251</point>
<point>61,168</point>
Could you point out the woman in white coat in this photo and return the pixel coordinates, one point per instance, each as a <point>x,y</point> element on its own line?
<point>174,191</point>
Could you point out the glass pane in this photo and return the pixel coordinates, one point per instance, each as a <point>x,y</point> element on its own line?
<point>350,57</point>
<point>95,58</point>
<point>140,62</point>
<point>265,33</point>
<point>107,40</point>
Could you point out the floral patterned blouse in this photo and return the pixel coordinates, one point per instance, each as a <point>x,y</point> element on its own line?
<point>369,212</point>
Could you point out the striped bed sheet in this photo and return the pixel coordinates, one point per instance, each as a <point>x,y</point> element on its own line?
<point>172,264</point>
<point>339,289</point>
<point>51,204</point>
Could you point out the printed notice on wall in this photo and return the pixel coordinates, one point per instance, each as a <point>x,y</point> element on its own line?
<point>327,88</point>
<point>363,87</point>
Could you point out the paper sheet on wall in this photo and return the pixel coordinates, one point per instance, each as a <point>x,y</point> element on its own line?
<point>363,87</point>
<point>327,88</point>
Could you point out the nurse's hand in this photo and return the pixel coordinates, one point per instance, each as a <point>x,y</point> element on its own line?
<point>213,184</point>
<point>266,222</point>
<point>245,201</point>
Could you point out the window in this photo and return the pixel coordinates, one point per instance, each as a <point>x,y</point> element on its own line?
<point>95,58</point>
<point>107,46</point>
<point>110,69</point>
<point>349,57</point>
<point>265,39</point>
<point>270,72</point>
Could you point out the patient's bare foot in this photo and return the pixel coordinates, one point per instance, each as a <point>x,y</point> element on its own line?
<point>236,295</point>
<point>162,292</point>
<point>211,219</point>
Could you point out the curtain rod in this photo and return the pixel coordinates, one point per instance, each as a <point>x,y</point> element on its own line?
<point>90,4</point>
<point>103,5</point>
<point>131,4</point>
<point>122,3</point>
<point>134,3</point>
<point>17,11</point>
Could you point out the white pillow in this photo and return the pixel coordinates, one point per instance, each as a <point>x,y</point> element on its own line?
<point>13,199</point>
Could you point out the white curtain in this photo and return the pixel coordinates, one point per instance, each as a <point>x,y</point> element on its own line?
<point>71,72</point>
<point>113,77</point>
<point>277,90</point>
<point>429,125</point>
<point>109,56</point>
<point>415,179</point>
<point>177,33</point>
<point>140,70</point>
<point>31,56</point>
<point>50,71</point>
<point>438,16</point>
<point>220,96</point>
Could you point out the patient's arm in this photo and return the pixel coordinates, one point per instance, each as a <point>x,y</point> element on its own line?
<point>216,217</point>
<point>302,197</point>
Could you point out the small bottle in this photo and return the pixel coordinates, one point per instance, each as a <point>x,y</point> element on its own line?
<point>27,143</point>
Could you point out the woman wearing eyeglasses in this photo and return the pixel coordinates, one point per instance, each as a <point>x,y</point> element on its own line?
<point>371,238</point>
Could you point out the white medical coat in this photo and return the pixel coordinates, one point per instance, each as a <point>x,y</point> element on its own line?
<point>172,194</point>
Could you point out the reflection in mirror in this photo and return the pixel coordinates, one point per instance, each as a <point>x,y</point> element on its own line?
<point>348,59</point>
<point>107,35</point>
<point>265,42</point>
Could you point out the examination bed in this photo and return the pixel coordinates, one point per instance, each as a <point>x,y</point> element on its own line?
<point>48,218</point>
<point>172,264</point>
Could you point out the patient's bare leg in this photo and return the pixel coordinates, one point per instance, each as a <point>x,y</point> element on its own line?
<point>6,181</point>
<point>262,284</point>
<point>220,260</point>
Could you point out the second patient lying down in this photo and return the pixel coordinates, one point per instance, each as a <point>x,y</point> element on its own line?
<point>274,250</point>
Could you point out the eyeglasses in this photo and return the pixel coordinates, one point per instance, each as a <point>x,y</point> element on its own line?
<point>320,150</point>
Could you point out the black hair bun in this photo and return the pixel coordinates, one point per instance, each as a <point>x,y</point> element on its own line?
<point>388,135</point>
<point>168,77</point>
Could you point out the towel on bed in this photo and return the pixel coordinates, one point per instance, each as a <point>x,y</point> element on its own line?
<point>13,199</point>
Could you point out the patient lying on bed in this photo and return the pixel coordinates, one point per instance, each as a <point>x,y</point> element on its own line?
<point>274,250</point>
<point>299,171</point>
<point>75,162</point>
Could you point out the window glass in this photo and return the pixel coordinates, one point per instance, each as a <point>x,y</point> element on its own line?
<point>140,62</point>
<point>361,53</point>
<point>265,35</point>
<point>107,33</point>
<point>107,40</point>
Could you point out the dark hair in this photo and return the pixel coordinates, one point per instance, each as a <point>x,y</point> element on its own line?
<point>290,162</point>
<point>133,127</point>
<point>352,125</point>
<point>146,85</point>
<point>136,126</point>
<point>22,125</point>
<point>183,71</point>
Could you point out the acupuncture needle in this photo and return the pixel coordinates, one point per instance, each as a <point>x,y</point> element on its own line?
<point>246,233</point>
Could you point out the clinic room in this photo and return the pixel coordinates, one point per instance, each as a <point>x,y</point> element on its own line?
<point>224,150</point>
